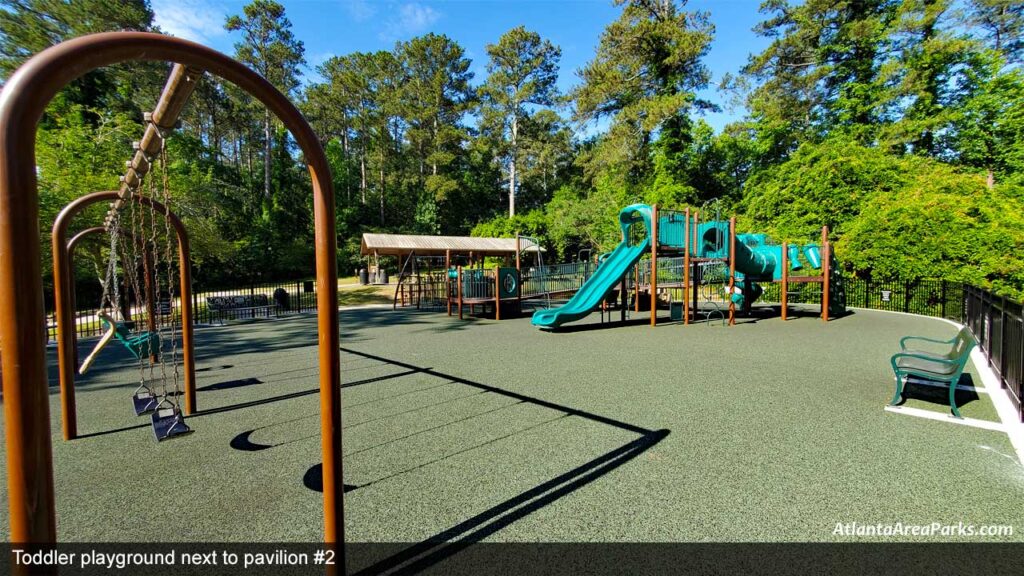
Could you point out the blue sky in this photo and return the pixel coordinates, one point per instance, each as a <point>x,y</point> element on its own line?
<point>335,27</point>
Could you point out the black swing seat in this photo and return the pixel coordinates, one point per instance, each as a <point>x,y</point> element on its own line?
<point>168,423</point>
<point>144,402</point>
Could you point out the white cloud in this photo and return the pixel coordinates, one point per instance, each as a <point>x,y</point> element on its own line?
<point>190,19</point>
<point>412,18</point>
<point>319,59</point>
<point>360,10</point>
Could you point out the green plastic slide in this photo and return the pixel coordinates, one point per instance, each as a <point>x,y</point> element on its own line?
<point>608,274</point>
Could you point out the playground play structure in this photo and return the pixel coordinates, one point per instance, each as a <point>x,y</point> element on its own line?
<point>30,482</point>
<point>701,268</point>
<point>685,255</point>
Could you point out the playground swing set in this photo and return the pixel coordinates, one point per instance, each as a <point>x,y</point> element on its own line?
<point>137,241</point>
<point>31,495</point>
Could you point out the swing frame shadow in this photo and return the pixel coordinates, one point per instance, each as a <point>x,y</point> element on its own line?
<point>435,549</point>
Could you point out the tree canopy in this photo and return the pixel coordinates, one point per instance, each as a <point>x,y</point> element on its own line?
<point>898,123</point>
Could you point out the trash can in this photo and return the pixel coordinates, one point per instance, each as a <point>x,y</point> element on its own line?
<point>364,277</point>
<point>675,311</point>
<point>282,299</point>
<point>382,276</point>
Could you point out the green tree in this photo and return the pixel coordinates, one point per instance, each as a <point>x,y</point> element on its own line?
<point>820,73</point>
<point>1002,25</point>
<point>644,77</point>
<point>27,27</point>
<point>925,77</point>
<point>268,47</point>
<point>435,97</point>
<point>545,158</point>
<point>522,71</point>
<point>989,127</point>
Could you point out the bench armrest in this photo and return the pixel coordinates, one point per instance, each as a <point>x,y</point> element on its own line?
<point>925,356</point>
<point>904,340</point>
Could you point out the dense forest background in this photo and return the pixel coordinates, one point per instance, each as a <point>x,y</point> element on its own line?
<point>898,123</point>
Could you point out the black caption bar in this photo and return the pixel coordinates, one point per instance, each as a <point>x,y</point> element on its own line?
<point>455,558</point>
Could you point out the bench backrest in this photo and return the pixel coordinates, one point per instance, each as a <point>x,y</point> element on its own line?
<point>221,302</point>
<point>962,346</point>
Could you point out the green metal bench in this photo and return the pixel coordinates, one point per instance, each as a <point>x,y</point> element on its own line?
<point>936,367</point>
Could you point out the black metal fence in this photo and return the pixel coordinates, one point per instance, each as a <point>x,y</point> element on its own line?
<point>938,298</point>
<point>998,324</point>
<point>290,297</point>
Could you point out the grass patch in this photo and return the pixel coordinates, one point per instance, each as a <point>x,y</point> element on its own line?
<point>364,295</point>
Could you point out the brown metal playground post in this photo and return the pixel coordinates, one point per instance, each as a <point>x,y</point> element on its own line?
<point>22,330</point>
<point>72,244</point>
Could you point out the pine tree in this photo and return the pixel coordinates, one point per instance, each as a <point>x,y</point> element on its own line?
<point>522,71</point>
<point>268,47</point>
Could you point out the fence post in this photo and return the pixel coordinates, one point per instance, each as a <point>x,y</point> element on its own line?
<point>942,301</point>
<point>1020,371</point>
<point>986,327</point>
<point>963,303</point>
<point>1002,344</point>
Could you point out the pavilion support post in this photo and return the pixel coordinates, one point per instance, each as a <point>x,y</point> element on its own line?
<point>418,284</point>
<point>448,280</point>
<point>458,287</point>
<point>519,273</point>
<point>784,298</point>
<point>497,294</point>
<point>732,270</point>
<point>686,269</point>
<point>653,283</point>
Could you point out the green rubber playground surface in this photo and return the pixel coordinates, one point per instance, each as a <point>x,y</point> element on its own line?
<point>497,431</point>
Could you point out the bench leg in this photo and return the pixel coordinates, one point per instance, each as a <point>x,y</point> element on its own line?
<point>952,400</point>
<point>897,398</point>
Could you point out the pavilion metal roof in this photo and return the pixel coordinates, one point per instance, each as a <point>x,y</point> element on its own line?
<point>403,244</point>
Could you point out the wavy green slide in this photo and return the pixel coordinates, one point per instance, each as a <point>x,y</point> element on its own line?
<point>610,272</point>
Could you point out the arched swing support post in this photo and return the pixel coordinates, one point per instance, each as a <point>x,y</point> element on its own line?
<point>63,292</point>
<point>72,244</point>
<point>22,330</point>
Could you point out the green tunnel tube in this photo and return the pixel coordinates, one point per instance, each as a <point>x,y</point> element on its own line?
<point>754,259</point>
<point>813,254</point>
<point>794,258</point>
